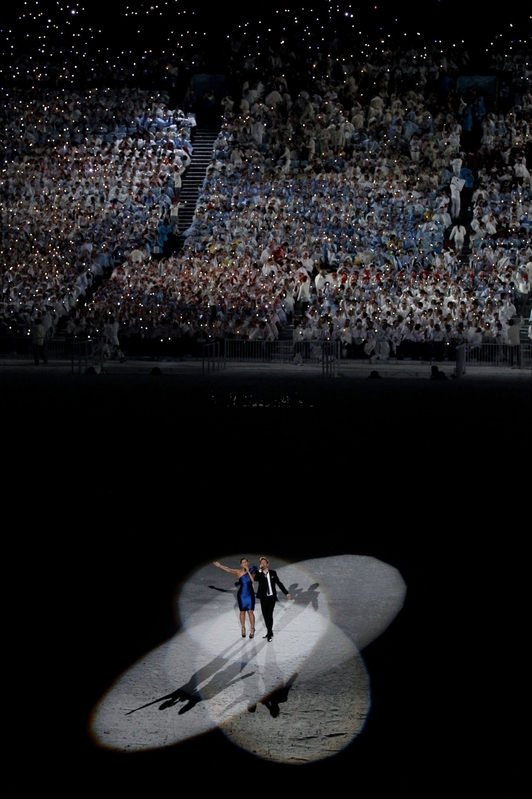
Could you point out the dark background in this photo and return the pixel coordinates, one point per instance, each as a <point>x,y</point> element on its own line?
<point>120,486</point>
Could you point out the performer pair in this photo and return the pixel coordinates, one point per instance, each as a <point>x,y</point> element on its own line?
<point>268,581</point>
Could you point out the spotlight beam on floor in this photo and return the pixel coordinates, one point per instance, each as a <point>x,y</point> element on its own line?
<point>308,687</point>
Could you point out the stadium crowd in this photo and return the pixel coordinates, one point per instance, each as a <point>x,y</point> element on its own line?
<point>367,200</point>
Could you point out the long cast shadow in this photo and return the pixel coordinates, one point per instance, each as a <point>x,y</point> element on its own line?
<point>218,675</point>
<point>308,596</point>
<point>218,679</point>
<point>277,697</point>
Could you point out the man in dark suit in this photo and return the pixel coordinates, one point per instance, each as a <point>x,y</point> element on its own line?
<point>267,593</point>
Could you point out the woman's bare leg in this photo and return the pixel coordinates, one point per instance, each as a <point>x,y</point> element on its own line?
<point>251,623</point>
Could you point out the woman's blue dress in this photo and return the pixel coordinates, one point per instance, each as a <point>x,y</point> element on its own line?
<point>246,594</point>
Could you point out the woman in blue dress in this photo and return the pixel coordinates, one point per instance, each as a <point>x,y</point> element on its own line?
<point>246,594</point>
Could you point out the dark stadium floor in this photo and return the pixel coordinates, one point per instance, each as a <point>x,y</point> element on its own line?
<point>118,485</point>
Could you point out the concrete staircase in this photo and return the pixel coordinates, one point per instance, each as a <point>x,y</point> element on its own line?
<point>203,138</point>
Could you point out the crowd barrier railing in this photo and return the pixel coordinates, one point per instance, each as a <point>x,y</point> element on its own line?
<point>212,357</point>
<point>330,353</point>
<point>278,352</point>
<point>80,354</point>
<point>327,354</point>
<point>500,355</point>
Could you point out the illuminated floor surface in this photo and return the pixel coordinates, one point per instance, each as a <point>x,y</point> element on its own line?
<point>208,677</point>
